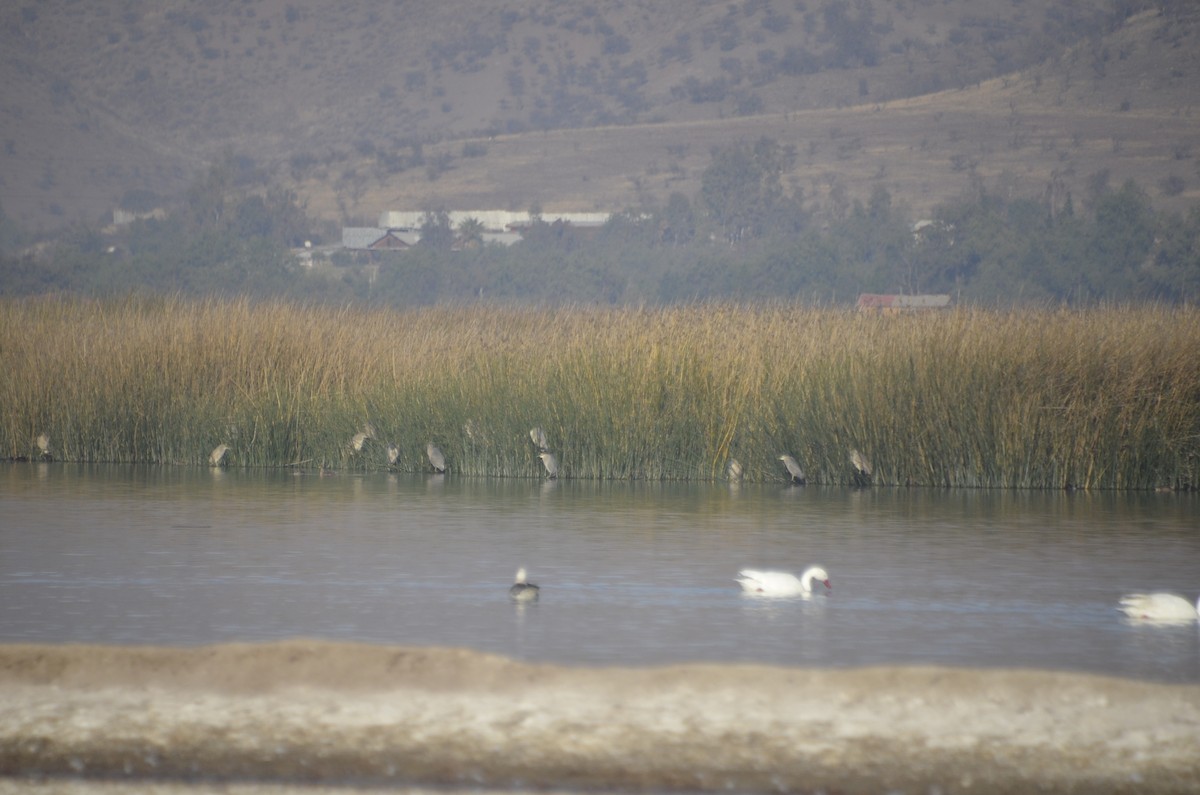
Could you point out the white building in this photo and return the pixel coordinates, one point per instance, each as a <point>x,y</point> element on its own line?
<point>492,220</point>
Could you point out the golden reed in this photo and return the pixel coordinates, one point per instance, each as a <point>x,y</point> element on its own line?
<point>1105,398</point>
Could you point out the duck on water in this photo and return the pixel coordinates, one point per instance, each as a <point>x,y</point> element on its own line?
<point>522,590</point>
<point>781,583</point>
<point>1163,608</point>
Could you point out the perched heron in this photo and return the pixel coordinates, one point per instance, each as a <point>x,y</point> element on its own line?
<point>538,437</point>
<point>436,459</point>
<point>522,590</point>
<point>43,444</point>
<point>795,473</point>
<point>393,454</point>
<point>360,439</point>
<point>550,462</point>
<point>862,468</point>
<point>734,470</point>
<point>217,456</point>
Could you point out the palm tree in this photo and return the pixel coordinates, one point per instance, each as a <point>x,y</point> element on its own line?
<point>470,233</point>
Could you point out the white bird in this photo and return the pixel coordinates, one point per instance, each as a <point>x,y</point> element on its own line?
<point>522,590</point>
<point>538,437</point>
<point>1163,608</point>
<point>781,583</point>
<point>734,470</point>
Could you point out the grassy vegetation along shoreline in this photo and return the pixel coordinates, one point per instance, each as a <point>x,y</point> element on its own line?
<point>1099,399</point>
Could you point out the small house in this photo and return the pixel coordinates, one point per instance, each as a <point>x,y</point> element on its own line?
<point>367,240</point>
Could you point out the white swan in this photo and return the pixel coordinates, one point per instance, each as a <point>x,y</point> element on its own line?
<point>523,590</point>
<point>781,583</point>
<point>1165,608</point>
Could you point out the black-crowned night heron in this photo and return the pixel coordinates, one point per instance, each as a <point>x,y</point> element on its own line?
<point>358,441</point>
<point>550,462</point>
<point>217,456</point>
<point>795,473</point>
<point>43,445</point>
<point>436,459</point>
<point>522,590</point>
<point>393,454</point>
<point>538,437</point>
<point>862,468</point>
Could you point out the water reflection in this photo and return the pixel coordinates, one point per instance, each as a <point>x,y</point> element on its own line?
<point>631,573</point>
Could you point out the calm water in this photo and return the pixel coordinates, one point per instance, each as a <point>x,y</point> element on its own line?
<point>631,574</point>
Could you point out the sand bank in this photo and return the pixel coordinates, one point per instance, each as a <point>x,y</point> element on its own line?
<point>281,714</point>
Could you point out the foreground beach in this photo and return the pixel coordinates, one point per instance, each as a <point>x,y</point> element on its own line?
<point>270,717</point>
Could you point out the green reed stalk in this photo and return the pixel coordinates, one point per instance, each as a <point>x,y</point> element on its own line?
<point>1105,398</point>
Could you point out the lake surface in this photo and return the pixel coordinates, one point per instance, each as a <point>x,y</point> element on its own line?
<point>631,573</point>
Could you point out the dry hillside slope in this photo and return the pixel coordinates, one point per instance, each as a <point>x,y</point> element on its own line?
<point>600,105</point>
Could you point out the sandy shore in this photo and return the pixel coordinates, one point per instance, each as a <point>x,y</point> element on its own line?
<point>270,717</point>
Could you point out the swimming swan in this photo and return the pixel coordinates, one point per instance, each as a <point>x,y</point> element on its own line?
<point>522,590</point>
<point>1166,608</point>
<point>781,583</point>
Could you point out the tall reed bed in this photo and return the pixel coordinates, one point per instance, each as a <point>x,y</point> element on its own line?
<point>1106,398</point>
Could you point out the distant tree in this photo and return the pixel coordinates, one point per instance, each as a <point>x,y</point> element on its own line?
<point>417,158</point>
<point>436,231</point>
<point>677,220</point>
<point>700,91</point>
<point>141,200</point>
<point>799,61</point>
<point>776,21</point>
<point>301,164</point>
<point>1097,186</point>
<point>633,227</point>
<point>207,196</point>
<point>558,236</point>
<point>1173,185</point>
<point>749,104</point>
<point>470,233</point>
<point>252,218</point>
<point>742,190</point>
<point>1173,274</point>
<point>290,224</point>
<point>438,165</point>
<point>1122,238</point>
<point>616,44</point>
<point>516,82</point>
<point>853,34</point>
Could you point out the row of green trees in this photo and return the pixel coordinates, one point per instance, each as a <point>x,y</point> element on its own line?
<point>742,236</point>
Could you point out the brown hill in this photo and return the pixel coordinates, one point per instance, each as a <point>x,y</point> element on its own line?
<point>595,106</point>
